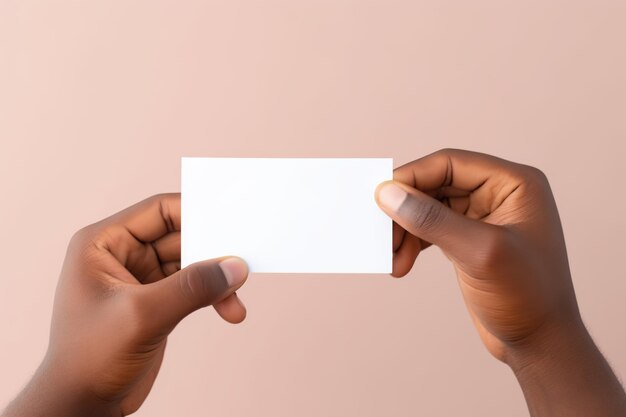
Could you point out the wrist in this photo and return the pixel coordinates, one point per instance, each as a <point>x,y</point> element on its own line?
<point>53,392</point>
<point>553,344</point>
<point>562,372</point>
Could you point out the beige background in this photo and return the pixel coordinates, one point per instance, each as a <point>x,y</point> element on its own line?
<point>99,99</point>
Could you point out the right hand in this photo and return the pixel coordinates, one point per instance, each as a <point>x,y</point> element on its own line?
<point>497,222</point>
<point>120,294</point>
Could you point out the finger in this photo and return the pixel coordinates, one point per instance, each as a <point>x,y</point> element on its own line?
<point>406,248</point>
<point>455,169</point>
<point>168,269</point>
<point>200,284</point>
<point>159,272</point>
<point>398,236</point>
<point>404,257</point>
<point>168,247</point>
<point>138,236</point>
<point>231,309</point>
<point>148,219</point>
<point>428,219</point>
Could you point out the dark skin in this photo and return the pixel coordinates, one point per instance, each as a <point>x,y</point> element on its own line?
<point>120,294</point>
<point>498,223</point>
<point>121,290</point>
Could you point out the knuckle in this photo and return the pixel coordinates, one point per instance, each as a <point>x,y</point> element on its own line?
<point>92,236</point>
<point>533,175</point>
<point>160,197</point>
<point>427,215</point>
<point>81,234</point>
<point>153,200</point>
<point>536,173</point>
<point>187,283</point>
<point>83,237</point>
<point>445,151</point>
<point>156,198</point>
<point>195,287</point>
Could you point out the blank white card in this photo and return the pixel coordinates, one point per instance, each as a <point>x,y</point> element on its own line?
<point>307,215</point>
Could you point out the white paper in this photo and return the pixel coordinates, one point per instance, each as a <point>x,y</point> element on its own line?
<point>307,215</point>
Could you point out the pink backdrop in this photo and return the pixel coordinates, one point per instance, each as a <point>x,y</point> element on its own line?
<point>99,100</point>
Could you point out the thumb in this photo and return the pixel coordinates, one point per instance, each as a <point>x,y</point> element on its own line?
<point>198,285</point>
<point>427,218</point>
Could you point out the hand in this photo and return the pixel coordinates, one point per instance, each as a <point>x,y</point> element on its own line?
<point>497,222</point>
<point>121,292</point>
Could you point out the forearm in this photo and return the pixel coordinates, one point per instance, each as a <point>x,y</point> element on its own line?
<point>568,376</point>
<point>50,394</point>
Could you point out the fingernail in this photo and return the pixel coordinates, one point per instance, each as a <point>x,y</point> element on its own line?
<point>391,196</point>
<point>235,270</point>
